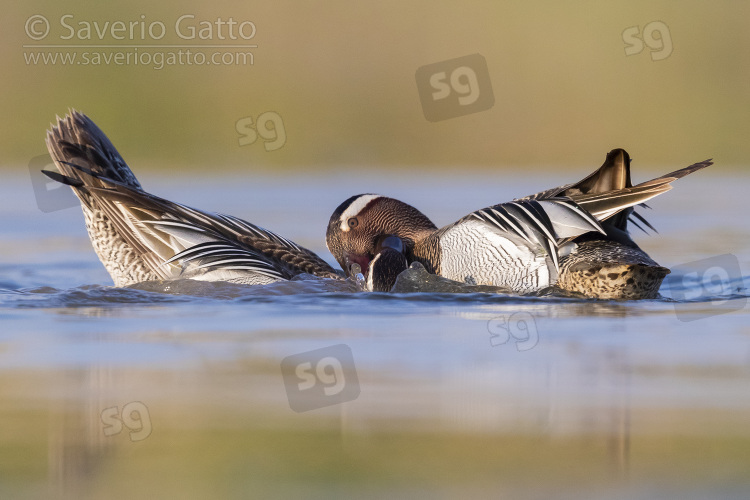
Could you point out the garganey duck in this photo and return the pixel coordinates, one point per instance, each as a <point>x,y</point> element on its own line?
<point>141,237</point>
<point>574,236</point>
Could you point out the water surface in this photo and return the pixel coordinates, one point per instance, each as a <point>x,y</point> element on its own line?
<point>121,393</point>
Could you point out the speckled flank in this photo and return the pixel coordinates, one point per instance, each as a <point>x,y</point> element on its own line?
<point>122,262</point>
<point>141,237</point>
<point>609,270</point>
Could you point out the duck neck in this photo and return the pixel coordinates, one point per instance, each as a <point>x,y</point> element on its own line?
<point>426,251</point>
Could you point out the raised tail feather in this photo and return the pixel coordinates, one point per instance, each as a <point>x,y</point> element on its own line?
<point>606,204</point>
<point>78,141</point>
<point>139,236</point>
<point>608,193</point>
<point>614,174</point>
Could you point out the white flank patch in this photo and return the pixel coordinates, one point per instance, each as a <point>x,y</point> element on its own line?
<point>354,209</point>
<point>478,253</point>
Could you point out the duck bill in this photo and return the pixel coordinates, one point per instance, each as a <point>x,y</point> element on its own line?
<point>363,261</point>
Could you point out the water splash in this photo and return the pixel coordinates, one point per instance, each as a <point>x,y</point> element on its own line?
<point>359,278</point>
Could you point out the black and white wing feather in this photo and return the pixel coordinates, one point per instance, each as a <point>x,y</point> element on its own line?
<point>537,224</point>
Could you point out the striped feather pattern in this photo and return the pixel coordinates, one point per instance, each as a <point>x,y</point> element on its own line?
<point>218,255</point>
<point>172,230</point>
<point>539,223</point>
<point>139,236</point>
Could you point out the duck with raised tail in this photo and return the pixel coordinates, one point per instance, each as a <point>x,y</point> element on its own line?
<point>574,236</point>
<point>141,237</point>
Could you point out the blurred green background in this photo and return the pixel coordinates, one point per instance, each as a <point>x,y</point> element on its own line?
<point>341,75</point>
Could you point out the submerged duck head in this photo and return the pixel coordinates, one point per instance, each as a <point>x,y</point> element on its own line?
<point>388,263</point>
<point>370,225</point>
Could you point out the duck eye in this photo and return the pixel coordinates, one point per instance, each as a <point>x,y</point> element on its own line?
<point>353,222</point>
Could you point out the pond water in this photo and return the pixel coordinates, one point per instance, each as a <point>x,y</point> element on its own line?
<point>304,390</point>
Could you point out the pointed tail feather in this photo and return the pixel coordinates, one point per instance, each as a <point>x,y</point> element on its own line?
<point>62,179</point>
<point>77,141</point>
<point>614,174</point>
<point>678,174</point>
<point>608,193</point>
<point>605,205</point>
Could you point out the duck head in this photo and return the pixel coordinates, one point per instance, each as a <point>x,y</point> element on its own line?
<point>370,225</point>
<point>388,263</point>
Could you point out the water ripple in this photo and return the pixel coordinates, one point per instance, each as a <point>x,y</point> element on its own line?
<point>301,292</point>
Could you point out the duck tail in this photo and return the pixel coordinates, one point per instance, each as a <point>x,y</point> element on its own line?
<point>606,204</point>
<point>83,155</point>
<point>614,174</point>
<point>609,194</point>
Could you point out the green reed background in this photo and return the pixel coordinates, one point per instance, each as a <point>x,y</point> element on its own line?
<point>342,77</point>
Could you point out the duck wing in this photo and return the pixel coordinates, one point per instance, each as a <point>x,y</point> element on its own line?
<point>164,239</point>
